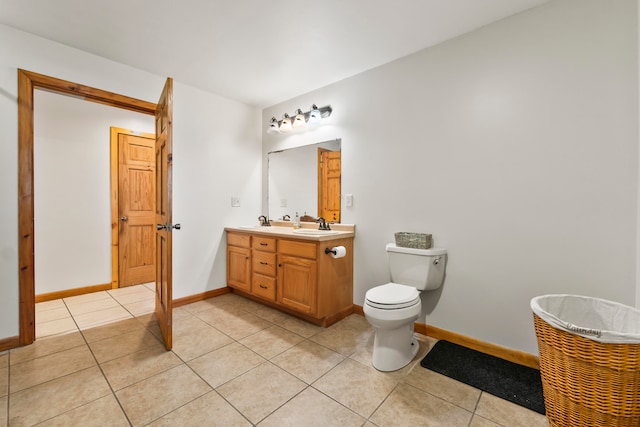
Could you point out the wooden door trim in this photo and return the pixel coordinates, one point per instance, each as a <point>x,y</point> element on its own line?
<point>115,194</point>
<point>28,81</point>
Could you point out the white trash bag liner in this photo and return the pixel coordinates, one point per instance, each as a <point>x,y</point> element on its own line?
<point>597,319</point>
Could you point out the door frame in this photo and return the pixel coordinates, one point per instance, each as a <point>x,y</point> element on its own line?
<point>115,197</point>
<point>28,81</point>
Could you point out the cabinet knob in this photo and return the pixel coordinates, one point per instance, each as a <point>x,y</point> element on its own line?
<point>279,265</point>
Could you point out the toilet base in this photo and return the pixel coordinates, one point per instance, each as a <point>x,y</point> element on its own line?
<point>394,348</point>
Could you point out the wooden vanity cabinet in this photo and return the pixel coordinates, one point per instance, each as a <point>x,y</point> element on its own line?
<point>294,275</point>
<point>239,261</point>
<point>263,279</point>
<point>297,276</point>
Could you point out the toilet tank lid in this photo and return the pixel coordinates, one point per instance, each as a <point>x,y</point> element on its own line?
<point>392,247</point>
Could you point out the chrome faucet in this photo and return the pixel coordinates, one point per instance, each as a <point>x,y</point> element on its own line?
<point>264,221</point>
<point>323,224</point>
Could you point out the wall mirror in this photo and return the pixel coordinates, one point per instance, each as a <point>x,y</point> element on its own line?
<point>306,180</point>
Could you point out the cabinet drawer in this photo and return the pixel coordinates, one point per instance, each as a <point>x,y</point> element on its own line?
<point>297,248</point>
<point>241,240</point>
<point>264,286</point>
<point>264,263</point>
<point>264,243</point>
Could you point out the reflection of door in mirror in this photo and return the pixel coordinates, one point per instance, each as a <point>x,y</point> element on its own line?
<point>329,173</point>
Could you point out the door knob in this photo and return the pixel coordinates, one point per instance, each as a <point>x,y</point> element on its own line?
<point>177,226</point>
<point>160,226</point>
<point>124,218</point>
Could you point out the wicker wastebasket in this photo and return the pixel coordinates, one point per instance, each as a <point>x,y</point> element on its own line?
<point>586,380</point>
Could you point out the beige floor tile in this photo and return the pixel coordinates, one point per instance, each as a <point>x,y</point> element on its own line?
<point>300,327</point>
<point>206,410</point>
<point>346,336</point>
<point>101,317</point>
<point>342,382</point>
<point>135,367</point>
<point>47,400</point>
<point>207,304</point>
<point>121,345</point>
<point>312,409</point>
<point>101,412</point>
<point>80,299</point>
<point>151,286</point>
<point>36,371</point>
<point>185,322</point>
<point>453,391</point>
<point>214,314</point>
<point>53,314</point>
<point>4,359</point>
<point>271,314</point>
<point>141,307</point>
<point>109,330</point>
<point>45,346</point>
<point>271,341</point>
<point>408,406</point>
<point>55,327</point>
<point>508,414</point>
<point>4,402</point>
<point>308,361</point>
<point>49,305</point>
<point>240,325</point>
<point>91,306</point>
<point>196,342</point>
<point>478,421</point>
<point>225,364</point>
<point>157,396</point>
<point>141,294</point>
<point>126,290</point>
<point>4,381</point>
<point>260,391</point>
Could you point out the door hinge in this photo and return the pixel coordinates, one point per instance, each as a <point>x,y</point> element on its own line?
<point>169,157</point>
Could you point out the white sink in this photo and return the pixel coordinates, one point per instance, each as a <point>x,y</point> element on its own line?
<point>314,232</point>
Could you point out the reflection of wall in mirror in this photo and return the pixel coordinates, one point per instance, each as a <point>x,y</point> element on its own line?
<point>293,177</point>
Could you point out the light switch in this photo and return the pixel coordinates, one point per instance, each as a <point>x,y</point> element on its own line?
<point>235,202</point>
<point>348,200</point>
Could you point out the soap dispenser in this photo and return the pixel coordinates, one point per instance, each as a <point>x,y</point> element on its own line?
<point>296,221</point>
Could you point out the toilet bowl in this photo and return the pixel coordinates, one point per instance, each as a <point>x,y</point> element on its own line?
<point>394,343</point>
<point>393,308</point>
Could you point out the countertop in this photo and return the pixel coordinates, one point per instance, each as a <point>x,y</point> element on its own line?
<point>308,231</point>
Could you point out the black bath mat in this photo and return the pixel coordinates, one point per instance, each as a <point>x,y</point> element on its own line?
<point>510,381</point>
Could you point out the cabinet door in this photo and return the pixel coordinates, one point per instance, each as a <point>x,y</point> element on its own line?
<point>239,268</point>
<point>297,283</point>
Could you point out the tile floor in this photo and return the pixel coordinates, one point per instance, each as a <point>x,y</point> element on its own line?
<point>97,361</point>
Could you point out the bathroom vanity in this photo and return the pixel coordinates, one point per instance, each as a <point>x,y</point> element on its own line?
<point>294,270</point>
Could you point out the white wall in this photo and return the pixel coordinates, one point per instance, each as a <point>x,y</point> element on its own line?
<point>516,146</point>
<point>217,152</point>
<point>72,189</point>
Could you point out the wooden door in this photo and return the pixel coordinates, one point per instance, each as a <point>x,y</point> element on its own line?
<point>136,208</point>
<point>163,157</point>
<point>329,175</point>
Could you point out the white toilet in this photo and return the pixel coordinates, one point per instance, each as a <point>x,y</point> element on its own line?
<point>393,308</point>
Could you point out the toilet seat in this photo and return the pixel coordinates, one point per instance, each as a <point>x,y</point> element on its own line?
<point>392,296</point>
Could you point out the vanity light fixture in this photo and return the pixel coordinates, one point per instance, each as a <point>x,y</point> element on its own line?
<point>274,127</point>
<point>285,124</point>
<point>299,120</point>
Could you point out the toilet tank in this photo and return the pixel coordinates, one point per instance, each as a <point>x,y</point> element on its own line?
<point>421,268</point>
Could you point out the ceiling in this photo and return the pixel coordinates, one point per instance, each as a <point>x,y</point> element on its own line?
<point>259,52</point>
